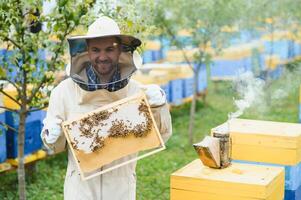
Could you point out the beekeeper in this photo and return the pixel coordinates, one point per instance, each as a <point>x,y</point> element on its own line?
<point>102,62</point>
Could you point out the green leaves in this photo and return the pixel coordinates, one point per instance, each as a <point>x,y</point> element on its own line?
<point>134,17</point>
<point>32,58</point>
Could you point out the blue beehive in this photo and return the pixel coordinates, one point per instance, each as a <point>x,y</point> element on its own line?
<point>147,56</point>
<point>189,81</point>
<point>283,49</point>
<point>156,55</point>
<point>278,47</point>
<point>293,194</point>
<point>227,68</point>
<point>33,129</point>
<point>187,86</point>
<point>296,49</point>
<point>243,36</point>
<point>202,79</point>
<point>2,139</point>
<point>176,91</point>
<point>165,46</point>
<point>291,49</point>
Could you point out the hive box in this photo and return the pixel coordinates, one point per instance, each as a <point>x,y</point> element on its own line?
<point>265,141</point>
<point>237,182</point>
<point>112,132</point>
<point>176,91</point>
<point>2,138</point>
<point>33,128</point>
<point>293,194</point>
<point>292,174</point>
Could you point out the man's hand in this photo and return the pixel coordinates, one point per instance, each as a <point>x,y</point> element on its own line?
<point>155,95</point>
<point>53,132</point>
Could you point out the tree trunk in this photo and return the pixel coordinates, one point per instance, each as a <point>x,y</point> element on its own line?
<point>193,105</point>
<point>21,170</point>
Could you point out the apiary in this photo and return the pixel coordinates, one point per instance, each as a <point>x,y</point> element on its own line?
<point>236,182</point>
<point>111,132</point>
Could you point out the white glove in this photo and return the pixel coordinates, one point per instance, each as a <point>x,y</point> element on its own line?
<point>155,95</point>
<point>52,131</point>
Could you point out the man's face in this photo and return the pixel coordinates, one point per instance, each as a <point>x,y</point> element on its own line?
<point>104,54</point>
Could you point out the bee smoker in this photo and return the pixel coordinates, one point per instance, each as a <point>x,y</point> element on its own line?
<point>225,146</point>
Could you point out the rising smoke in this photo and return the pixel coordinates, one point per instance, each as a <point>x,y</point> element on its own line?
<point>250,92</point>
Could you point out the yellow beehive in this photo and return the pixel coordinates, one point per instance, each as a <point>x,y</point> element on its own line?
<point>230,29</point>
<point>5,166</point>
<point>11,91</point>
<point>265,141</point>
<point>237,182</point>
<point>278,35</point>
<point>160,77</point>
<point>7,102</point>
<point>174,71</point>
<point>185,32</point>
<point>40,154</point>
<point>272,61</point>
<point>178,56</point>
<point>240,51</point>
<point>152,45</point>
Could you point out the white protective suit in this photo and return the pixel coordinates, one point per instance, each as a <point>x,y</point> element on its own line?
<point>68,101</point>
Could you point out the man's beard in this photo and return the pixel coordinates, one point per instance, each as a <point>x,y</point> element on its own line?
<point>107,64</point>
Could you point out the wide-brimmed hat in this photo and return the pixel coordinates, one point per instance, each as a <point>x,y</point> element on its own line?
<point>107,27</point>
<point>103,27</point>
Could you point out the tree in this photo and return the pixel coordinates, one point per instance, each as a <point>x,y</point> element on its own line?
<point>25,33</point>
<point>268,18</point>
<point>134,17</point>
<point>204,19</point>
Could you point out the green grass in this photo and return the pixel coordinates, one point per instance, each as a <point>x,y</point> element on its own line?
<point>154,172</point>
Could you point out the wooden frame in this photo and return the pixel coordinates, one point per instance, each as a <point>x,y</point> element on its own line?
<point>90,161</point>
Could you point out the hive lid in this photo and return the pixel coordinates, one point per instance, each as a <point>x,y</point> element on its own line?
<point>243,180</point>
<point>265,133</point>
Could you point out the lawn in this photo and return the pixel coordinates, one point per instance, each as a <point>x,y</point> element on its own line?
<point>281,103</point>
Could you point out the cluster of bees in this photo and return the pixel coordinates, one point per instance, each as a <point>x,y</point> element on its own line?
<point>85,127</point>
<point>119,128</point>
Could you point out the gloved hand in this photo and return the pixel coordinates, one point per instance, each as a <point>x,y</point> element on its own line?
<point>52,132</point>
<point>155,95</point>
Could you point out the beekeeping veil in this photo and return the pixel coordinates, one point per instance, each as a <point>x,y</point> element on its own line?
<point>81,67</point>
